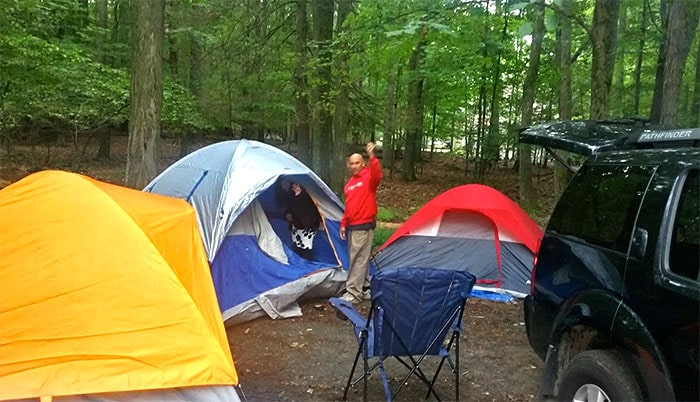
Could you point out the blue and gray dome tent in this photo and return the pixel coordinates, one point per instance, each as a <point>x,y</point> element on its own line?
<point>232,186</point>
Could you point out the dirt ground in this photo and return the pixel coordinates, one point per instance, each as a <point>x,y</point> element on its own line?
<point>308,358</point>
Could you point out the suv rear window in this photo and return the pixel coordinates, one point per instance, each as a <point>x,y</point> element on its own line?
<point>600,204</point>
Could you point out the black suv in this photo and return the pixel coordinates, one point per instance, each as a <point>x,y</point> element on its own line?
<point>614,303</point>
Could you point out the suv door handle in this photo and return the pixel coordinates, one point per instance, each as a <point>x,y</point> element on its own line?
<point>639,243</point>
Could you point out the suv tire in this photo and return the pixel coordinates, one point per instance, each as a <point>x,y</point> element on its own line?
<point>598,375</point>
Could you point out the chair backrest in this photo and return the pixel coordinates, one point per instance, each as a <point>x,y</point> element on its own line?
<point>415,307</point>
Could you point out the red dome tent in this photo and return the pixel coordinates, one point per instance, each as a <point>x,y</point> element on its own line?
<point>472,225</point>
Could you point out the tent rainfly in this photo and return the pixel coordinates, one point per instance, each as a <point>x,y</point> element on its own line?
<point>106,295</point>
<point>233,186</point>
<point>474,226</point>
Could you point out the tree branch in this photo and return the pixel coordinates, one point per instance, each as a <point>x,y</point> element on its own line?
<point>573,17</point>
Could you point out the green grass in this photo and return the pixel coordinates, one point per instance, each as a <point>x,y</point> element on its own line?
<point>386,215</point>
<point>381,235</point>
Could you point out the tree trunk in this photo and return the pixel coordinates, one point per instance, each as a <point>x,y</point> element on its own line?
<point>618,90</point>
<point>105,136</point>
<point>529,89</point>
<point>492,140</point>
<point>323,123</point>
<point>657,100</point>
<point>84,14</point>
<point>102,12</point>
<point>604,39</point>
<point>389,121</point>
<point>196,76</point>
<point>342,103</point>
<point>695,107</point>
<point>561,173</point>
<point>123,17</point>
<point>467,136</point>
<point>301,98</point>
<point>682,22</point>
<point>481,105</point>
<point>146,92</point>
<point>640,57</point>
<point>257,24</point>
<point>173,53</point>
<point>433,128</point>
<point>414,109</point>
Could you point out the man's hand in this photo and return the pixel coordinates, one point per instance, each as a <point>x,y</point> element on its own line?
<point>370,149</point>
<point>342,233</point>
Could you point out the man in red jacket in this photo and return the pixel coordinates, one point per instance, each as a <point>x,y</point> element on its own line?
<point>358,222</point>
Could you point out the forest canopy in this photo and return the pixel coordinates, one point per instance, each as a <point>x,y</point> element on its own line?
<point>414,75</point>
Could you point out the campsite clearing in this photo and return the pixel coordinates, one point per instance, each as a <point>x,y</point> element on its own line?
<point>308,358</point>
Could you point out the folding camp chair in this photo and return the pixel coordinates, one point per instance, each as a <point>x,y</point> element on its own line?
<point>415,313</point>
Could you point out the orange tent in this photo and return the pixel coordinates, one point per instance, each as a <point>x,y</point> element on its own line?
<point>105,289</point>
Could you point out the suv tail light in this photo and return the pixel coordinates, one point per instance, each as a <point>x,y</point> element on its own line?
<point>532,274</point>
<point>534,267</point>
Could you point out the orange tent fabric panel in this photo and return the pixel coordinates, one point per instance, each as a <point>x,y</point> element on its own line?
<point>103,289</point>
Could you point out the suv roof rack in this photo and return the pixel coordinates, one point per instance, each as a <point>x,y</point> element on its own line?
<point>589,137</point>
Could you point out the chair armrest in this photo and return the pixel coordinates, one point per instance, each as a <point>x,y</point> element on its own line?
<point>348,310</point>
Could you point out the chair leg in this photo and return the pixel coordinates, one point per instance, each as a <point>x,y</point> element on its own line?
<point>417,363</point>
<point>416,370</point>
<point>435,376</point>
<point>360,350</point>
<point>454,340</point>
<point>385,382</point>
<point>366,374</point>
<point>457,368</point>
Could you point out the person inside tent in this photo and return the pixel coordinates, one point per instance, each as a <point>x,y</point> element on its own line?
<point>303,218</point>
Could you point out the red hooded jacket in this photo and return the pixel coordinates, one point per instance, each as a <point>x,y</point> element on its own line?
<point>361,195</point>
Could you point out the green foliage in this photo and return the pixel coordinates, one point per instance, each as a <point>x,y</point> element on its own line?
<point>49,74</point>
<point>381,235</point>
<point>387,215</point>
<point>57,65</point>
<point>49,80</point>
<point>180,114</point>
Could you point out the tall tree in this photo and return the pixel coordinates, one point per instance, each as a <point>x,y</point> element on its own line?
<point>492,140</point>
<point>389,119</point>
<point>146,92</point>
<point>321,118</point>
<point>301,91</point>
<point>618,89</point>
<point>123,19</point>
<point>105,137</point>
<point>196,72</point>
<point>414,109</point>
<point>695,107</point>
<point>655,112</point>
<point>529,89</point>
<point>561,173</point>
<point>342,102</point>
<point>604,39</point>
<point>683,18</point>
<point>640,58</point>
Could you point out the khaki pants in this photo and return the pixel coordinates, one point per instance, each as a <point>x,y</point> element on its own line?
<point>360,249</point>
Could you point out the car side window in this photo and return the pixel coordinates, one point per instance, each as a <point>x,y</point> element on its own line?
<point>684,256</point>
<point>600,205</point>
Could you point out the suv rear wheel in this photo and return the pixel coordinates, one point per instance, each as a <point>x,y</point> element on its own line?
<point>597,376</point>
